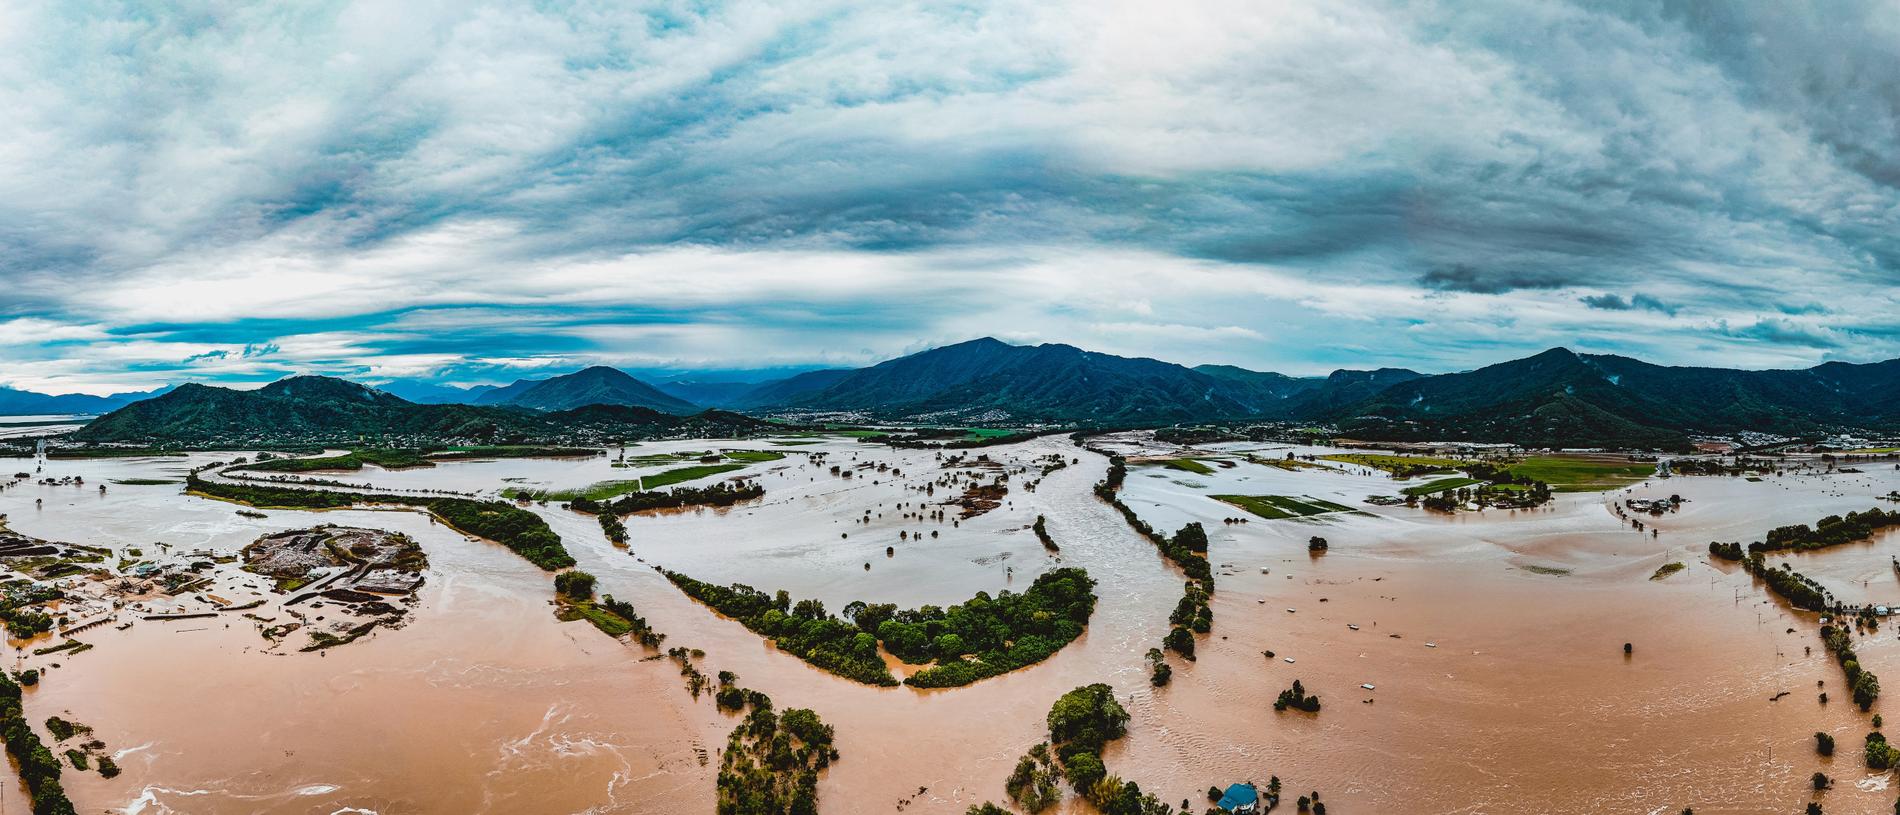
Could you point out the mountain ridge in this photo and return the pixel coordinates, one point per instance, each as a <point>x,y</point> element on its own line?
<point>1555,398</point>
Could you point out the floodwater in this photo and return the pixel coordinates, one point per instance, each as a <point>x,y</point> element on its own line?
<point>484,703</point>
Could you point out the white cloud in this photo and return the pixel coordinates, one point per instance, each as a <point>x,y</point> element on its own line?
<point>416,189</point>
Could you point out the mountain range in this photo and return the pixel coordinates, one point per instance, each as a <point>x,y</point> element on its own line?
<point>309,410</point>
<point>27,403</point>
<point>1557,398</point>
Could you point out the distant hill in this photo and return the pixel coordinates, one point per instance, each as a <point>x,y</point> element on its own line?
<point>428,393</point>
<point>309,410</point>
<point>987,379</point>
<point>1560,398</point>
<point>791,389</point>
<point>503,394</point>
<point>1553,399</point>
<point>599,385</point>
<point>1556,398</point>
<point>27,403</point>
<point>709,394</point>
<point>1260,392</point>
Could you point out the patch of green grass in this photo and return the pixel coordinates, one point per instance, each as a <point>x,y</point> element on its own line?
<point>513,451</point>
<point>109,452</point>
<point>657,459</point>
<point>1326,505</point>
<point>1873,451</point>
<point>611,624</point>
<point>794,442</point>
<point>1400,466</point>
<point>988,432</point>
<point>1583,473</point>
<point>1276,507</point>
<point>1188,464</point>
<point>1549,570</point>
<point>753,456</point>
<point>1440,486</point>
<point>667,478</point>
<point>860,433</point>
<point>394,459</point>
<point>609,490</point>
<point>1289,464</point>
<point>1666,570</point>
<point>145,482</point>
<point>388,459</point>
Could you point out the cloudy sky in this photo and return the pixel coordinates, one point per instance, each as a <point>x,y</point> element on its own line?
<point>475,192</point>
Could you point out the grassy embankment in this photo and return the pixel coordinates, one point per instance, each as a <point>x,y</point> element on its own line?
<point>1441,485</point>
<point>609,490</point>
<point>110,452</point>
<point>1189,465</point>
<point>753,456</point>
<point>388,459</point>
<point>1277,507</point>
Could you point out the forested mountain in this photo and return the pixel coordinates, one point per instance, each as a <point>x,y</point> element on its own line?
<point>987,378</point>
<point>1557,398</point>
<point>1560,398</point>
<point>790,389</point>
<point>27,403</point>
<point>599,385</point>
<point>308,410</point>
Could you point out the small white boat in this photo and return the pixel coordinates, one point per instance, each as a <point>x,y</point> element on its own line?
<point>1353,627</point>
<point>1289,660</point>
<point>1290,611</point>
<point>1431,645</point>
<point>1368,686</point>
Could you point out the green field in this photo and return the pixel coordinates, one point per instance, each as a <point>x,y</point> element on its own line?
<point>513,451</point>
<point>1398,465</point>
<point>1276,507</point>
<point>1189,465</point>
<point>108,452</point>
<point>1583,473</point>
<point>667,478</point>
<point>753,456</point>
<point>1873,451</point>
<point>1290,464</point>
<point>145,482</point>
<point>609,490</point>
<point>988,432</point>
<point>1440,485</point>
<point>661,458</point>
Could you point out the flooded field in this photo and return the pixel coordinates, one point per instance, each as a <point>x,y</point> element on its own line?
<point>1494,642</point>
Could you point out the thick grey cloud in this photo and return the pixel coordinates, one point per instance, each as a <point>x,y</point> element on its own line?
<point>1616,302</point>
<point>1440,184</point>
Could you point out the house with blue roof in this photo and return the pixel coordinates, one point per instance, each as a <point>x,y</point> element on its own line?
<point>1240,799</point>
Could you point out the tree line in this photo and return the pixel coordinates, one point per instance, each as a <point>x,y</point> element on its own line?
<point>1001,633</point>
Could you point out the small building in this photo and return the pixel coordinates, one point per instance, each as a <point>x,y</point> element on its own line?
<point>1240,799</point>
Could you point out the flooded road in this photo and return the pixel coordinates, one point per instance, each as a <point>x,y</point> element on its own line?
<point>484,703</point>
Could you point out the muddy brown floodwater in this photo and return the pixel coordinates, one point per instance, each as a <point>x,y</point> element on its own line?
<point>484,703</point>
